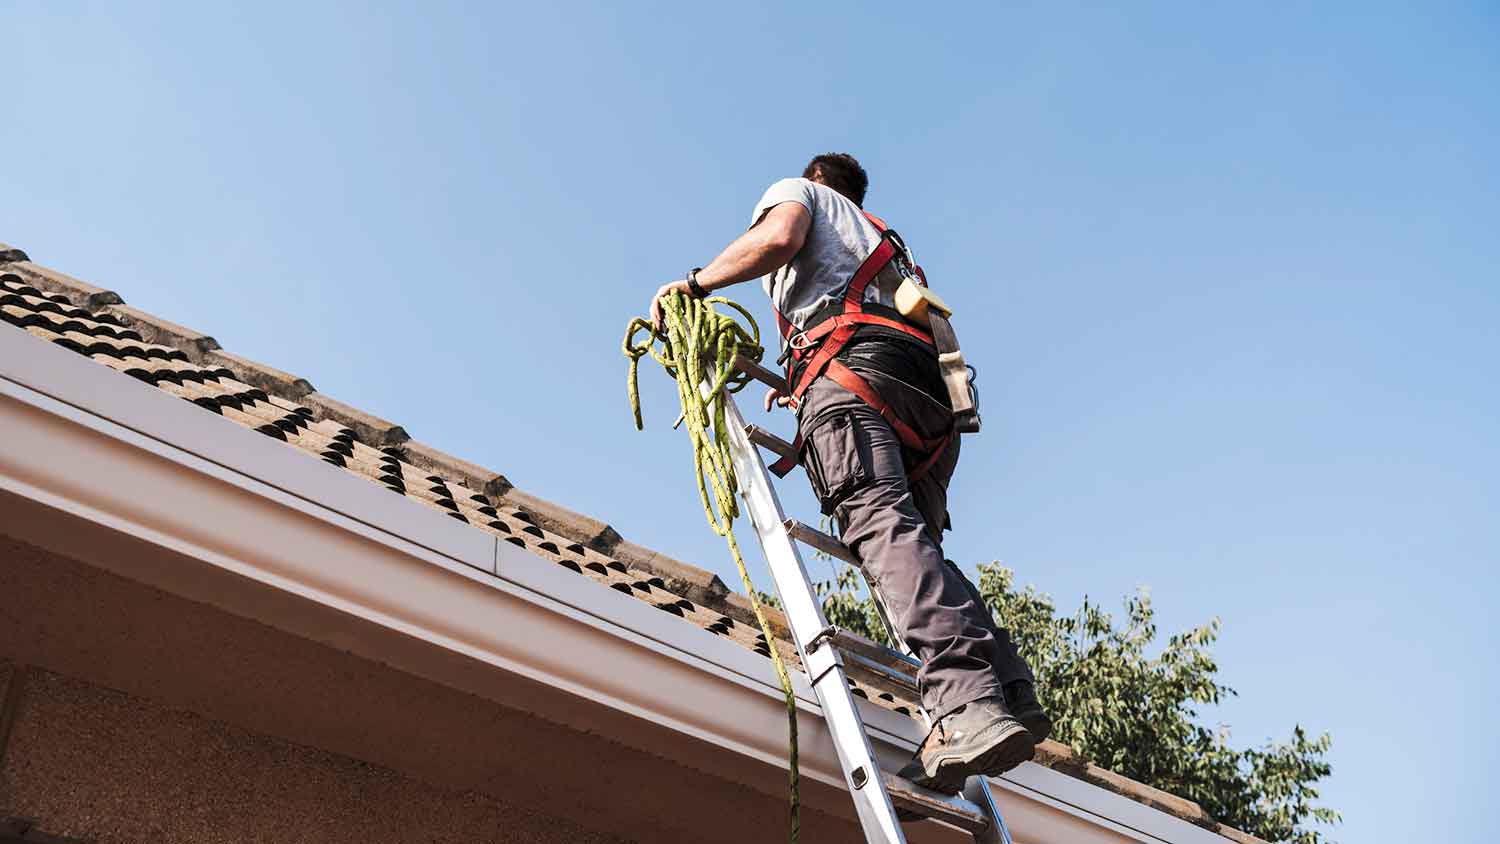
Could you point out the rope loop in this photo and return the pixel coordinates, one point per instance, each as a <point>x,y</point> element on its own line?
<point>699,345</point>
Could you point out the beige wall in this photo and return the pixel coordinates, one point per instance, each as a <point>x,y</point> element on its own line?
<point>104,766</point>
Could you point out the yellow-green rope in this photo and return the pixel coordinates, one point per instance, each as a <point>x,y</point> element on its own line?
<point>699,346</point>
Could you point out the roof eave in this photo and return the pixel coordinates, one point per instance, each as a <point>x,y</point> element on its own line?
<point>134,461</point>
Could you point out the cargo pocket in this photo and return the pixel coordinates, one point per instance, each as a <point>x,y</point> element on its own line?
<point>836,460</point>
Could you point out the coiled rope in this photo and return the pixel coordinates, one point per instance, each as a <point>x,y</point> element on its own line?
<point>699,346</point>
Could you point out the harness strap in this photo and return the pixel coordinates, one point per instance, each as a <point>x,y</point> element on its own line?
<point>783,324</point>
<point>836,335</point>
<point>832,343</point>
<point>932,448</point>
<point>817,332</point>
<point>832,334</point>
<point>869,268</point>
<point>786,464</point>
<point>850,380</point>
<point>854,294</point>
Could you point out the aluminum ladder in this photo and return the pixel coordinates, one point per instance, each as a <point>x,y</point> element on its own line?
<point>830,654</point>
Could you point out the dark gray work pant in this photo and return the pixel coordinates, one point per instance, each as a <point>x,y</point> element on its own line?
<point>858,468</point>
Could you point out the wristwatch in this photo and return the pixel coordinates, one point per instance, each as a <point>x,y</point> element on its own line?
<point>694,287</point>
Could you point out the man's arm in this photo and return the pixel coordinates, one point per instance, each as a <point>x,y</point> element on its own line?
<point>766,247</point>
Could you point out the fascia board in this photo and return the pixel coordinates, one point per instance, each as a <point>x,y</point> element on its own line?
<point>76,390</point>
<point>636,651</point>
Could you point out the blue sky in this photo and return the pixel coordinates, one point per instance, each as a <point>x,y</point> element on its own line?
<point>1229,275</point>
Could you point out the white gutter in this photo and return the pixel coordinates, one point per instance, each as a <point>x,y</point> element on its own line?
<point>80,439</point>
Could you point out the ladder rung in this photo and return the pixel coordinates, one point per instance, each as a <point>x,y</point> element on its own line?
<point>883,678</point>
<point>930,804</point>
<point>759,373</point>
<point>821,541</point>
<point>769,441</point>
<point>877,665</point>
<point>894,660</point>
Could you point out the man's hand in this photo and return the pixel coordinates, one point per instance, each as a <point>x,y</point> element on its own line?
<point>774,395</point>
<point>657,320</point>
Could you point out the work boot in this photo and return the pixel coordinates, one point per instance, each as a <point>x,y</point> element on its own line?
<point>980,737</point>
<point>1020,699</point>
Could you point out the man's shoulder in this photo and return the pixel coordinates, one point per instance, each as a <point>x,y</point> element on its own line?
<point>794,187</point>
<point>786,190</point>
<point>794,181</point>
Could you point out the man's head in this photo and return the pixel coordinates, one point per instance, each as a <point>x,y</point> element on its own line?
<point>839,170</point>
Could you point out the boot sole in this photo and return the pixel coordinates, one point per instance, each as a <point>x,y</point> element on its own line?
<point>1009,746</point>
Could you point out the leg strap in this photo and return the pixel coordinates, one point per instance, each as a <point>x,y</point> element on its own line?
<point>931,448</point>
<point>786,464</point>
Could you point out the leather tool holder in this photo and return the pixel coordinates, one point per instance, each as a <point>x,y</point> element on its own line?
<point>955,374</point>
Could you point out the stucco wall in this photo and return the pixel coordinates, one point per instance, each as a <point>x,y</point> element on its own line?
<point>104,766</point>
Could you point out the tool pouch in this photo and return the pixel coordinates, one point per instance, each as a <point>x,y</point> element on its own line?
<point>957,376</point>
<point>920,305</point>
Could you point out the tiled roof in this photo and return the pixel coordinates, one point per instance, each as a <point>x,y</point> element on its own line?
<point>95,322</point>
<point>177,360</point>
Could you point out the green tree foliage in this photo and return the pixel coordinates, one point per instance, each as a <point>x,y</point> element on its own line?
<point>1133,707</point>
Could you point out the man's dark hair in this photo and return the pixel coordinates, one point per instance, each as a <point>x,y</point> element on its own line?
<point>841,172</point>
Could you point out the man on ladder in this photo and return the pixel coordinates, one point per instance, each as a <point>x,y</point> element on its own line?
<point>877,437</point>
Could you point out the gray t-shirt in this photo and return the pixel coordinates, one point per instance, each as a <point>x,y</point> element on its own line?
<point>838,241</point>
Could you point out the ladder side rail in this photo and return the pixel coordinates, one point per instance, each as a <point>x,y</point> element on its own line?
<point>977,791</point>
<point>862,773</point>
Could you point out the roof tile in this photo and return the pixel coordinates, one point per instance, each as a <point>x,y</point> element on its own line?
<point>738,607</point>
<point>698,584</point>
<point>157,330</point>
<point>265,377</point>
<point>559,519</point>
<point>80,293</point>
<point>490,484</point>
<point>370,429</point>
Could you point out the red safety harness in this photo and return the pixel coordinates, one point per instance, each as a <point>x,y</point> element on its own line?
<point>813,351</point>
